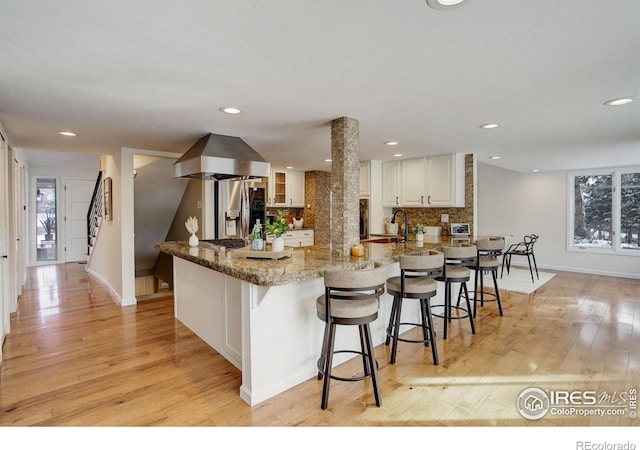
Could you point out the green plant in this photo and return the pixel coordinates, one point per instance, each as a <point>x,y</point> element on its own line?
<point>280,226</point>
<point>419,228</point>
<point>49,223</point>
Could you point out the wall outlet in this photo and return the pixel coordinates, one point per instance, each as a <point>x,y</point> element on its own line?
<point>444,218</point>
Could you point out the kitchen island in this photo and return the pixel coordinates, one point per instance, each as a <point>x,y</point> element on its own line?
<point>261,314</point>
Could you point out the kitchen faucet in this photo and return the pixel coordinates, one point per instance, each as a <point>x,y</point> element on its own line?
<point>406,223</point>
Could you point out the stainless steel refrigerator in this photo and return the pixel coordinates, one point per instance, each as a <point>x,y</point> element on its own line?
<point>240,203</point>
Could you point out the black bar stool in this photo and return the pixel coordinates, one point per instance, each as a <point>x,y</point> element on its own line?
<point>455,271</point>
<point>350,298</point>
<point>486,261</point>
<point>416,281</point>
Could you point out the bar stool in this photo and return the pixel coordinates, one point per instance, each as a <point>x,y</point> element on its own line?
<point>455,271</point>
<point>486,261</point>
<point>416,281</point>
<point>350,298</point>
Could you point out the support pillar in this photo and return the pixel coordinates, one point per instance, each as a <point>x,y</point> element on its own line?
<point>345,184</point>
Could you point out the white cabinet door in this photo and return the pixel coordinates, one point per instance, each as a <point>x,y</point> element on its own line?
<point>365,180</point>
<point>414,186</point>
<point>391,183</point>
<point>445,181</point>
<point>295,188</point>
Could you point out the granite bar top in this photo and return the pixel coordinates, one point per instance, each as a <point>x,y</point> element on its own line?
<point>306,263</point>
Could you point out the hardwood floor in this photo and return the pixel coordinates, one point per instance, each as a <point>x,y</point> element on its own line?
<point>76,358</point>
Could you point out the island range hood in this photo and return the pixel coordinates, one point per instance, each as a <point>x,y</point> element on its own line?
<point>219,157</point>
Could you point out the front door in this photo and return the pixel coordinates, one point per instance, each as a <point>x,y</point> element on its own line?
<point>77,199</point>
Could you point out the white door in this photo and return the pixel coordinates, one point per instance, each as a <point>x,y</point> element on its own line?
<point>77,198</point>
<point>4,236</point>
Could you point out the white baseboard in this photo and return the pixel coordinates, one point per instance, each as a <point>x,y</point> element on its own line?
<point>106,284</point>
<point>605,273</point>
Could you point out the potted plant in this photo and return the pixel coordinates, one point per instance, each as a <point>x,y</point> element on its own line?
<point>276,229</point>
<point>419,230</point>
<point>49,225</point>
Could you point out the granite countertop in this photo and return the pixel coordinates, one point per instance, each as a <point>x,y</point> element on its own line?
<point>306,263</point>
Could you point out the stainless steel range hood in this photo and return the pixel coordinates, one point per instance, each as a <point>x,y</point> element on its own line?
<point>219,157</point>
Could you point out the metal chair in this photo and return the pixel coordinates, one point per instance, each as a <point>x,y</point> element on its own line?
<point>350,298</point>
<point>524,248</point>
<point>416,281</point>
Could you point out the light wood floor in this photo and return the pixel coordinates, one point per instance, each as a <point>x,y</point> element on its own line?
<point>74,357</point>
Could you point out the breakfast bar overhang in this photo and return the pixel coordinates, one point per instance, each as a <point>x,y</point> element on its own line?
<point>261,314</point>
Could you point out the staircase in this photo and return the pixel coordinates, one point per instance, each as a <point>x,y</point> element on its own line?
<point>94,214</point>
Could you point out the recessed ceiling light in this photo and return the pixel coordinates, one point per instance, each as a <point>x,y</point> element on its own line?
<point>289,167</point>
<point>535,170</point>
<point>391,143</point>
<point>230,110</point>
<point>66,133</point>
<point>327,160</point>
<point>619,101</point>
<point>444,4</point>
<point>494,157</point>
<point>397,154</point>
<point>489,126</point>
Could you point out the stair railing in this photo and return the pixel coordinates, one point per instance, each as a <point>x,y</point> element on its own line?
<point>94,214</point>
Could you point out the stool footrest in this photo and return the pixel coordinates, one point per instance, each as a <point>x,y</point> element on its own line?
<point>336,377</point>
<point>442,316</point>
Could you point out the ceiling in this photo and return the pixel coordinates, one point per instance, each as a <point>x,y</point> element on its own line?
<point>152,74</point>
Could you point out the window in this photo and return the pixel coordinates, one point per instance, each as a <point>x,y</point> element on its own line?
<point>604,207</point>
<point>46,220</point>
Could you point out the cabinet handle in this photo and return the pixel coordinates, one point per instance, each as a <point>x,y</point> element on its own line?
<point>396,200</point>
<point>429,200</point>
<point>422,199</point>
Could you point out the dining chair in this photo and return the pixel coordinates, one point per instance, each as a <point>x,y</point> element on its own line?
<point>524,248</point>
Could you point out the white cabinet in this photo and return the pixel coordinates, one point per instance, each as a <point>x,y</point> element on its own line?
<point>365,180</point>
<point>433,182</point>
<point>445,181</point>
<point>391,176</point>
<point>296,238</point>
<point>286,188</point>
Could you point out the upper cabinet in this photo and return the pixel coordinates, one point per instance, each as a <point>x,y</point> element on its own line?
<point>424,182</point>
<point>286,188</point>
<point>391,176</point>
<point>365,179</point>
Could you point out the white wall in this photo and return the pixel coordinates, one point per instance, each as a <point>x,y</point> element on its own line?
<point>517,204</point>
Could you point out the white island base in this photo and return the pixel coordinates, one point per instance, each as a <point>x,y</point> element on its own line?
<point>271,333</point>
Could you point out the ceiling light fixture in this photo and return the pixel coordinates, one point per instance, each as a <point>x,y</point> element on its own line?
<point>535,170</point>
<point>66,133</point>
<point>327,160</point>
<point>445,4</point>
<point>230,110</point>
<point>397,155</point>
<point>494,157</point>
<point>289,167</point>
<point>489,126</point>
<point>391,143</point>
<point>619,101</point>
